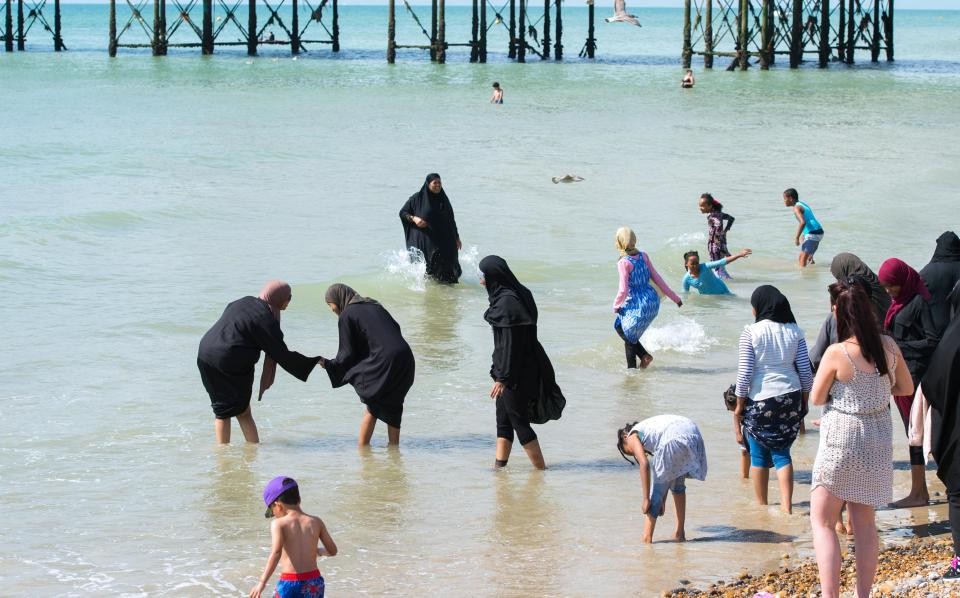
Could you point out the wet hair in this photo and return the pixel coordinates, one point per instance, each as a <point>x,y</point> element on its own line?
<point>792,194</point>
<point>730,397</point>
<point>689,255</point>
<point>856,318</point>
<point>622,439</point>
<point>496,84</point>
<point>290,496</point>
<point>714,204</point>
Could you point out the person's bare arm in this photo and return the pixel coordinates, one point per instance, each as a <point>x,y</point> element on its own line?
<point>329,546</point>
<point>637,447</point>
<point>738,418</point>
<point>741,254</point>
<point>276,551</point>
<point>826,374</point>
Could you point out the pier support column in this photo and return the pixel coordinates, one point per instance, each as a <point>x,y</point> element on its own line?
<point>708,36</point>
<point>558,37</point>
<point>841,31</point>
<point>743,35</point>
<point>474,26</point>
<point>765,34</point>
<point>851,40</point>
<point>512,52</point>
<point>824,54</point>
<point>252,28</point>
<point>294,28</point>
<point>155,42</point>
<point>433,30</point>
<point>546,30</point>
<point>888,30</point>
<point>875,41</point>
<point>21,40</point>
<point>591,40</point>
<point>8,26</point>
<point>391,32</point>
<point>687,52</point>
<point>482,56</point>
<point>442,32</point>
<point>336,27</point>
<point>57,38</point>
<point>112,43</point>
<point>522,42</point>
<point>206,42</point>
<point>796,35</point>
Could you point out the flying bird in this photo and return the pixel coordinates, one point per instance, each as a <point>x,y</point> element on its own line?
<point>620,14</point>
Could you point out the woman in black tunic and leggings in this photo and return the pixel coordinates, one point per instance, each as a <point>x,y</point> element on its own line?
<point>524,385</point>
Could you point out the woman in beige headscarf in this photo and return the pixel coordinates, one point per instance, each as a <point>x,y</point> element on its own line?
<point>637,302</point>
<point>231,348</point>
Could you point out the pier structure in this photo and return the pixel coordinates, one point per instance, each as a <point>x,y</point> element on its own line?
<point>763,29</point>
<point>30,15</point>
<point>520,27</point>
<point>206,30</point>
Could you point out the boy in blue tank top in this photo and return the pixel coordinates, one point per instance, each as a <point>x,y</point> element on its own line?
<point>809,230</point>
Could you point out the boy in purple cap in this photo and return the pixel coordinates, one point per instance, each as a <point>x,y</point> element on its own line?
<point>295,535</point>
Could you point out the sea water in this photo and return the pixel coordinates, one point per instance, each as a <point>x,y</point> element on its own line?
<point>140,195</point>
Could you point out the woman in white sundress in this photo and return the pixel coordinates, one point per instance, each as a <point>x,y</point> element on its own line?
<point>854,461</point>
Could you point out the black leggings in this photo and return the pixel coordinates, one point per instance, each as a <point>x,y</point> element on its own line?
<point>512,415</point>
<point>954,499</point>
<point>632,350</point>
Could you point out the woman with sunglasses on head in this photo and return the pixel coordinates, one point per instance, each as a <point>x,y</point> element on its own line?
<point>668,449</point>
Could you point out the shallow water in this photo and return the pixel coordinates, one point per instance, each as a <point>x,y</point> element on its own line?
<point>141,195</point>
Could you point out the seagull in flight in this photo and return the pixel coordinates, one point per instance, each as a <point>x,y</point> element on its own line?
<point>620,14</point>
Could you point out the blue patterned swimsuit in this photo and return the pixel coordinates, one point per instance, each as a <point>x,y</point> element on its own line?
<point>642,304</point>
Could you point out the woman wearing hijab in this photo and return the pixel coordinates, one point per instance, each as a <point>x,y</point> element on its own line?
<point>524,386</point>
<point>941,386</point>
<point>910,321</point>
<point>374,358</point>
<point>941,276</point>
<point>637,302</point>
<point>230,349</point>
<point>848,266</point>
<point>430,227</point>
<point>854,464</point>
<point>773,381</point>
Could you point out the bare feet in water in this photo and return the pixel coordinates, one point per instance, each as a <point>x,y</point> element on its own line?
<point>645,360</point>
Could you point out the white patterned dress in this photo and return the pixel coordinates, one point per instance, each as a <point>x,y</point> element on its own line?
<point>855,458</point>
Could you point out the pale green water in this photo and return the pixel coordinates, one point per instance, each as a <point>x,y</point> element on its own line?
<point>142,195</point>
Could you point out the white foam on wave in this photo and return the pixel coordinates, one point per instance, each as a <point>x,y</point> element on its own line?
<point>410,266</point>
<point>688,239</point>
<point>683,335</point>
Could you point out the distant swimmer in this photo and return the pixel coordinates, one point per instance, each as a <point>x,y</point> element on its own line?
<point>497,96</point>
<point>620,14</point>
<point>688,80</point>
<point>567,178</point>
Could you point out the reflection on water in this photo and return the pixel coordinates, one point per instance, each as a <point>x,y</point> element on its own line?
<point>434,327</point>
<point>228,502</point>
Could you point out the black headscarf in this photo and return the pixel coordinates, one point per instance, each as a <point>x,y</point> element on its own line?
<point>845,265</point>
<point>771,304</point>
<point>941,386</point>
<point>341,295</point>
<point>511,303</point>
<point>948,248</point>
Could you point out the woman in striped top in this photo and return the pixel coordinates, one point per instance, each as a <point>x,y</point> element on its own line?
<point>773,381</point>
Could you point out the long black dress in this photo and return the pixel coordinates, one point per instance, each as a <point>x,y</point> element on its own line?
<point>941,276</point>
<point>438,241</point>
<point>375,359</point>
<point>915,332</point>
<point>531,393</point>
<point>230,349</point>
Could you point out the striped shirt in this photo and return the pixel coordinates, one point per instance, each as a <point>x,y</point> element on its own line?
<point>773,361</point>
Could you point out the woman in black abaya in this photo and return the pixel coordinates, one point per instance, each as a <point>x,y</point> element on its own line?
<point>430,227</point>
<point>373,357</point>
<point>524,386</point>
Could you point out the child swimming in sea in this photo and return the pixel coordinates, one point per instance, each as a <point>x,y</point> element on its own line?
<point>294,543</point>
<point>730,400</point>
<point>688,81</point>
<point>497,97</point>
<point>668,449</point>
<point>701,276</point>
<point>716,232</point>
<point>809,228</point>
